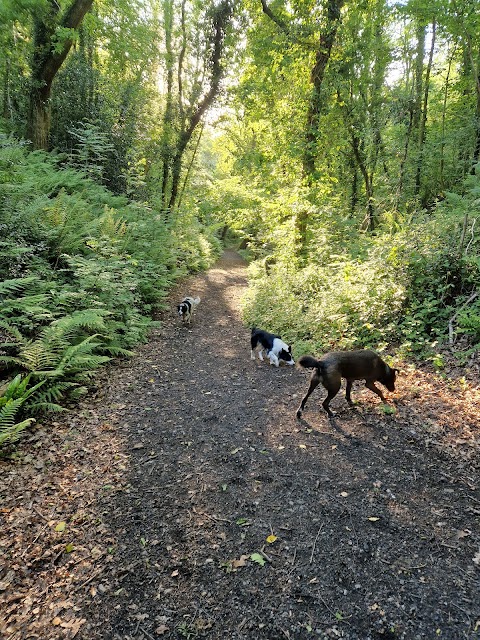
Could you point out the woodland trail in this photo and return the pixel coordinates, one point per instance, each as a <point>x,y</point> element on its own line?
<point>171,481</point>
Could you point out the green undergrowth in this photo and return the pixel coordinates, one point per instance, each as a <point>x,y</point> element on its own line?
<point>82,273</point>
<point>414,285</point>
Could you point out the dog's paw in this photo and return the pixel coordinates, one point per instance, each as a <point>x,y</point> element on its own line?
<point>299,413</point>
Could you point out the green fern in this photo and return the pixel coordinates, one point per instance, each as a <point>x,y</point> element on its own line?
<point>61,357</point>
<point>12,397</point>
<point>16,284</point>
<point>12,332</point>
<point>9,429</point>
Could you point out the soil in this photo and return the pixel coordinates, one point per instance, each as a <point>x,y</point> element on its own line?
<point>185,500</point>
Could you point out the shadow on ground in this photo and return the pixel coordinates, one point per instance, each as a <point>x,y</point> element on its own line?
<point>374,533</point>
<point>193,504</point>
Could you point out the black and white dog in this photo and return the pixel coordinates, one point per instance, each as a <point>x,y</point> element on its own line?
<point>186,308</point>
<point>277,351</point>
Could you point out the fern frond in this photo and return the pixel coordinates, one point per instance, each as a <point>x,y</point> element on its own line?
<point>11,433</point>
<point>27,306</point>
<point>46,407</point>
<point>86,362</point>
<point>53,392</point>
<point>79,392</point>
<point>74,354</point>
<point>11,331</point>
<point>16,284</point>
<point>87,318</point>
<point>115,351</point>
<point>38,355</point>
<point>8,413</point>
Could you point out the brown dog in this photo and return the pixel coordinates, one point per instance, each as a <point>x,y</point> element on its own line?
<point>351,365</point>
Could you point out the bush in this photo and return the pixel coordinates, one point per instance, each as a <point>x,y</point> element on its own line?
<point>405,287</point>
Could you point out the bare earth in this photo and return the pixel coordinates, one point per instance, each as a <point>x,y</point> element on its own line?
<point>145,512</point>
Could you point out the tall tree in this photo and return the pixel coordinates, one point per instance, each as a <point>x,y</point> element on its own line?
<point>53,36</point>
<point>322,56</point>
<point>196,46</point>
<point>325,39</point>
<point>422,125</point>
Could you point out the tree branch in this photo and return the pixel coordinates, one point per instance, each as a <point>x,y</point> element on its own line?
<point>280,23</point>
<point>71,20</point>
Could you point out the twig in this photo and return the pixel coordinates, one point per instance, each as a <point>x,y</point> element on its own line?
<point>262,552</point>
<point>40,514</point>
<point>463,611</point>
<point>207,515</point>
<point>314,543</point>
<point>92,577</point>
<point>448,546</point>
<point>473,236</point>
<point>146,632</point>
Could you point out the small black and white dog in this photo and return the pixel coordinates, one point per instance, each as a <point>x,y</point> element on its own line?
<point>277,351</point>
<point>186,308</point>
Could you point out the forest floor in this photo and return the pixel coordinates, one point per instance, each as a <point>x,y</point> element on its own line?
<point>185,500</point>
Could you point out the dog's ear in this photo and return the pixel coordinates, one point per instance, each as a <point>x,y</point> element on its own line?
<point>289,349</point>
<point>396,370</point>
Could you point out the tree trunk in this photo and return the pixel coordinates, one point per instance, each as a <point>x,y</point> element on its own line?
<point>354,194</point>
<point>370,221</point>
<point>47,60</point>
<point>322,56</point>
<point>220,22</point>
<point>444,115</point>
<point>418,91</point>
<point>422,130</point>
<point>39,118</point>
<point>168,114</point>
<point>476,79</point>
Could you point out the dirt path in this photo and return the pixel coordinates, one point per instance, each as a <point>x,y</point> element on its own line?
<point>191,457</point>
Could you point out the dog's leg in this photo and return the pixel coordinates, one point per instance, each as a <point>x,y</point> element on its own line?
<point>252,348</point>
<point>314,382</point>
<point>347,392</point>
<point>260,355</point>
<point>372,387</point>
<point>332,385</point>
<point>326,402</point>
<point>273,358</point>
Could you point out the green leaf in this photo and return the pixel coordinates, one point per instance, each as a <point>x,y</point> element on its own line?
<point>243,522</point>
<point>258,558</point>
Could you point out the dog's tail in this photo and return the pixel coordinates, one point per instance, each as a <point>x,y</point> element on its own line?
<point>196,301</point>
<point>309,362</point>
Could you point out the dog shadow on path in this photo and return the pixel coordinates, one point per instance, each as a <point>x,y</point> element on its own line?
<point>335,428</point>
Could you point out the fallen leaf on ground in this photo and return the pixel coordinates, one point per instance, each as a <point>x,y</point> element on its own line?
<point>259,559</point>
<point>241,562</point>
